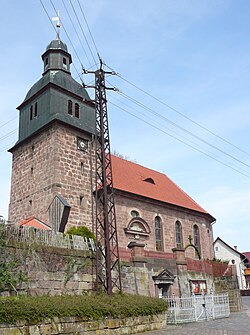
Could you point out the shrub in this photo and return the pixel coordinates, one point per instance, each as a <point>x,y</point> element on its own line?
<point>81,231</point>
<point>94,307</point>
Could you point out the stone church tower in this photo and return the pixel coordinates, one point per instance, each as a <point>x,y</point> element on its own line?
<point>52,160</point>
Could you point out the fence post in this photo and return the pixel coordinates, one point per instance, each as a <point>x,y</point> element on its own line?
<point>212,299</point>
<point>174,305</point>
<point>194,304</point>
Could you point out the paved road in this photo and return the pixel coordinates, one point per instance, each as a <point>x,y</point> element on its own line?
<point>237,324</point>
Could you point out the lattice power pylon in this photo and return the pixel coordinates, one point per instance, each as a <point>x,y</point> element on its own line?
<point>108,273</point>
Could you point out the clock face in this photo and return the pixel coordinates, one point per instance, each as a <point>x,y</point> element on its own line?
<point>82,144</point>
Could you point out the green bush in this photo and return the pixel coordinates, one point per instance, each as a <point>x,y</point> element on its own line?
<point>81,231</point>
<point>94,307</point>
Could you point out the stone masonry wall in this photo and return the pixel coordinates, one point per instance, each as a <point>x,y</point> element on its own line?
<point>148,210</point>
<point>185,277</point>
<point>50,164</point>
<point>73,326</point>
<point>137,276</point>
<point>49,270</point>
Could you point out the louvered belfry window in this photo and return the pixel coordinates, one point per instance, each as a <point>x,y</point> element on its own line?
<point>77,110</point>
<point>70,107</point>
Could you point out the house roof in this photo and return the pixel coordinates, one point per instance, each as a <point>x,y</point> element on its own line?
<point>134,178</point>
<point>35,223</point>
<point>247,255</point>
<point>242,256</point>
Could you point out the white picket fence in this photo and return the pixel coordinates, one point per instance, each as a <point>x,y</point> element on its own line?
<point>197,308</point>
<point>45,237</point>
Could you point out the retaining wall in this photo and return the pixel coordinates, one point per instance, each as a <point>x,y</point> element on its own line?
<point>77,326</point>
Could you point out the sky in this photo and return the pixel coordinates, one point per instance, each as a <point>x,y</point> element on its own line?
<point>191,57</point>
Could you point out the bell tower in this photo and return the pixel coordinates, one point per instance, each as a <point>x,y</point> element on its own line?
<point>53,155</point>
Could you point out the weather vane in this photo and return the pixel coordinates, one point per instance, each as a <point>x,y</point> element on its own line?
<point>58,24</point>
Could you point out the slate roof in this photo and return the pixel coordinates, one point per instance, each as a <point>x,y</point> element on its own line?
<point>57,44</point>
<point>62,80</point>
<point>35,223</point>
<point>134,178</point>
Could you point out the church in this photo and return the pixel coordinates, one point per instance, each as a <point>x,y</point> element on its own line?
<point>53,178</point>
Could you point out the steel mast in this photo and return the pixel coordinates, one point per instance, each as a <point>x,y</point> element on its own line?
<point>108,274</point>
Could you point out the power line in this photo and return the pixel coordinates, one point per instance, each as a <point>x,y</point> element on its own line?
<point>183,115</point>
<point>82,31</point>
<point>80,41</point>
<point>182,129</point>
<point>4,124</point>
<point>176,138</point>
<point>88,28</point>
<point>160,124</point>
<point>12,132</point>
<point>5,148</point>
<point>44,8</point>
<point>186,117</point>
<point>140,104</point>
<point>64,31</point>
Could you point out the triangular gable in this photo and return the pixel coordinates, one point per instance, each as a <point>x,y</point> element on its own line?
<point>35,223</point>
<point>218,239</point>
<point>164,277</point>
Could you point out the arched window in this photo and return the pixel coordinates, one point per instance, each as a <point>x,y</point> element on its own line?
<point>197,238</point>
<point>178,235</point>
<point>77,110</point>
<point>158,234</point>
<point>70,107</point>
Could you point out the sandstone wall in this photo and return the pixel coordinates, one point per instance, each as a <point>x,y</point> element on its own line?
<point>73,326</point>
<point>50,164</point>
<point>49,270</point>
<point>148,210</point>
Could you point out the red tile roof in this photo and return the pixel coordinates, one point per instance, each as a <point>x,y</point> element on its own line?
<point>137,179</point>
<point>35,223</point>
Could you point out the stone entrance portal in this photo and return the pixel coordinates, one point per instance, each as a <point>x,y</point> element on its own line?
<point>163,282</point>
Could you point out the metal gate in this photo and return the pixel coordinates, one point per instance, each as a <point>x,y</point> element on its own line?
<point>197,308</point>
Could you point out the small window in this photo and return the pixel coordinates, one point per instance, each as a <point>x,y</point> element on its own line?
<point>70,107</point>
<point>82,168</point>
<point>77,110</point>
<point>134,214</point>
<point>158,234</point>
<point>31,170</point>
<point>64,63</point>
<point>35,113</point>
<point>46,61</point>
<point>30,202</point>
<point>31,112</point>
<point>216,248</point>
<point>81,200</point>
